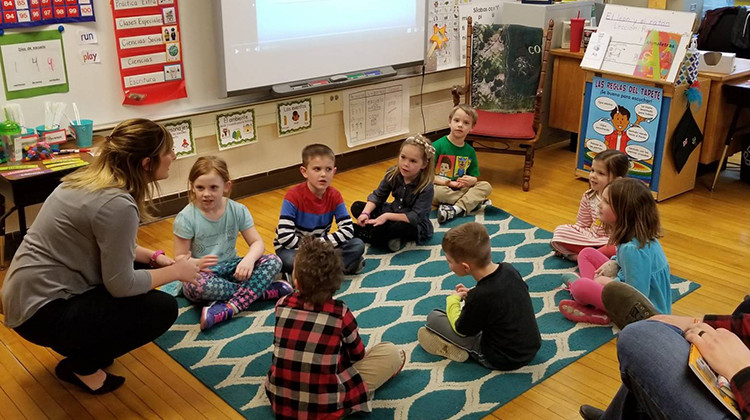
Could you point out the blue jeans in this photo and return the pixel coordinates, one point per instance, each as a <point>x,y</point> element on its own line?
<point>656,380</point>
<point>351,251</point>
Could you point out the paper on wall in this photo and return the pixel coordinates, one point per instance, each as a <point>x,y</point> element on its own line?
<point>376,112</point>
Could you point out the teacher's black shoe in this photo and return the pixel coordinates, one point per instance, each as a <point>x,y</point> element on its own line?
<point>64,371</point>
<point>588,412</point>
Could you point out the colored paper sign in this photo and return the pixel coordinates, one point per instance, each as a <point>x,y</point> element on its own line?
<point>294,117</point>
<point>147,33</point>
<point>235,128</point>
<point>33,64</point>
<point>182,135</point>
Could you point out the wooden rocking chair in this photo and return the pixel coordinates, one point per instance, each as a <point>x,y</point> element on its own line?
<point>506,67</point>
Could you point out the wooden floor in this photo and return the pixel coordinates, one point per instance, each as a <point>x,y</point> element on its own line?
<point>706,239</point>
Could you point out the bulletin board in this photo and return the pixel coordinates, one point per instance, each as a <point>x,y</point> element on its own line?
<point>94,76</point>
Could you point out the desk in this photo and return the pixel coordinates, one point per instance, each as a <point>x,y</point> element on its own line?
<point>25,191</point>
<point>568,80</point>
<point>719,113</point>
<point>567,95</point>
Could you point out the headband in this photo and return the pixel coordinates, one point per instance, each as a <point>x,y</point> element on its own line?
<point>429,150</point>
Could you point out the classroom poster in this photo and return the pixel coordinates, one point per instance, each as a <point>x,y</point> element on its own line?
<point>376,112</point>
<point>27,13</point>
<point>294,117</point>
<point>625,117</point>
<point>149,49</point>
<point>33,64</point>
<point>235,128</point>
<point>442,21</point>
<point>182,135</point>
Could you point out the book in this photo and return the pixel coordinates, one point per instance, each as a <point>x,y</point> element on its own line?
<point>717,384</point>
<point>657,54</point>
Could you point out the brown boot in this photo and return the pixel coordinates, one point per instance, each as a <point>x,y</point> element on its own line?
<point>625,304</point>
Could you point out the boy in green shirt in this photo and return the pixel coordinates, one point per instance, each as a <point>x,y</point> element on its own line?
<point>457,190</point>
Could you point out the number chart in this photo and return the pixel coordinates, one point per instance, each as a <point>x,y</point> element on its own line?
<point>25,13</point>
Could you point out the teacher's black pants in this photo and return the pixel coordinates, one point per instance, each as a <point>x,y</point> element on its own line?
<point>94,328</point>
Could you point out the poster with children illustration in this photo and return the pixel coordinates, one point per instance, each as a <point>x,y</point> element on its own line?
<point>235,128</point>
<point>294,117</point>
<point>625,117</point>
<point>182,134</point>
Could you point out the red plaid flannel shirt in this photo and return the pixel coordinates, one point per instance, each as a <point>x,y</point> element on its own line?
<point>740,325</point>
<point>311,374</point>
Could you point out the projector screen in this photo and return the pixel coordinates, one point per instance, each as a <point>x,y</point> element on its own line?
<point>268,42</point>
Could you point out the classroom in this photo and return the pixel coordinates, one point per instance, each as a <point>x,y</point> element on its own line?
<point>470,152</point>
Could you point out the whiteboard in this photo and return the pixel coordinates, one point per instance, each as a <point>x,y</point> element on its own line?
<point>97,90</point>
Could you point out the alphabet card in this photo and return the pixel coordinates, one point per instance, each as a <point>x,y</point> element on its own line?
<point>33,64</point>
<point>625,117</point>
<point>236,128</point>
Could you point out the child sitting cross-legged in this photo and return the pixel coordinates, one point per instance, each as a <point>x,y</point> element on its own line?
<point>496,326</point>
<point>319,368</point>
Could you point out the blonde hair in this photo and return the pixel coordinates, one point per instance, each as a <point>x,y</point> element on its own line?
<point>204,166</point>
<point>470,243</point>
<point>471,112</point>
<point>636,212</point>
<point>427,174</point>
<point>120,162</point>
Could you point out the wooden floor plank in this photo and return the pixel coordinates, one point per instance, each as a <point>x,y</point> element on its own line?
<point>9,410</point>
<point>16,392</point>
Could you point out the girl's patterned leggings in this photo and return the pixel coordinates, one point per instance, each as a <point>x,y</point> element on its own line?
<point>220,284</point>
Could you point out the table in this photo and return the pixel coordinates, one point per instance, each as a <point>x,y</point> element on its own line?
<point>735,94</point>
<point>567,96</point>
<point>25,191</point>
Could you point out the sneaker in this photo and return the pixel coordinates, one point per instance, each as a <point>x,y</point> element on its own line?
<point>402,353</point>
<point>434,344</point>
<point>445,213</point>
<point>395,245</point>
<point>277,290</point>
<point>625,304</point>
<point>588,412</point>
<point>356,267</point>
<point>214,314</point>
<point>483,205</point>
<point>578,312</point>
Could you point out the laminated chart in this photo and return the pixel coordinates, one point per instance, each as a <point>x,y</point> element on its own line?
<point>147,33</point>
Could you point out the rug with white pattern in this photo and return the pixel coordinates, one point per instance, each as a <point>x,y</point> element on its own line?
<point>390,300</point>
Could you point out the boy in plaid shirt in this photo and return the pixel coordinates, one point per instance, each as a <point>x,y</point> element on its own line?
<point>320,369</point>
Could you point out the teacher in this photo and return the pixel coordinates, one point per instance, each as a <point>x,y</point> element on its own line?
<point>73,286</point>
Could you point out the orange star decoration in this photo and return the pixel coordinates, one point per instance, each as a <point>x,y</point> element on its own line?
<point>438,36</point>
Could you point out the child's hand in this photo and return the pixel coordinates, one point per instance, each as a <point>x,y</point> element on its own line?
<point>454,185</point>
<point>603,280</point>
<point>608,269</point>
<point>362,219</point>
<point>163,261</point>
<point>379,220</point>
<point>187,271</point>
<point>462,291</point>
<point>244,270</point>
<point>467,181</point>
<point>207,261</point>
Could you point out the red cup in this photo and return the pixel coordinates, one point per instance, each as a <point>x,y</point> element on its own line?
<point>576,33</point>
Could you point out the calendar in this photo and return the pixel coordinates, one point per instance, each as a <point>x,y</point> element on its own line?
<point>25,13</point>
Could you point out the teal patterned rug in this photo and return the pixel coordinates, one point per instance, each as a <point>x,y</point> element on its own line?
<point>390,300</point>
